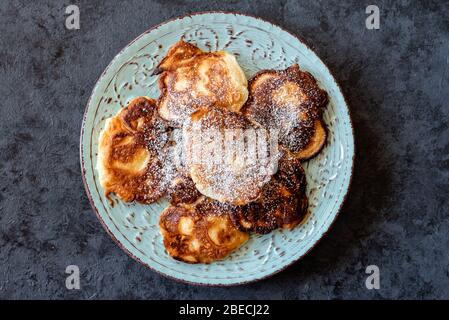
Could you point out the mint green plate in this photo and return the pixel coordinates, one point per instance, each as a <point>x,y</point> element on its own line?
<point>258,45</point>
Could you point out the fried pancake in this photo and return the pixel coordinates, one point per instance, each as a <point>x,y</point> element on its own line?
<point>130,153</point>
<point>226,163</point>
<point>290,101</point>
<point>192,79</point>
<point>201,232</point>
<point>283,203</point>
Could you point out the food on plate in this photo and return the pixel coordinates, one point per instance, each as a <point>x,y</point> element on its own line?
<point>290,101</point>
<point>191,79</point>
<point>201,232</point>
<point>209,145</point>
<point>282,204</point>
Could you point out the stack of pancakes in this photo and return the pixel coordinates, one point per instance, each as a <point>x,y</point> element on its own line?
<point>217,202</point>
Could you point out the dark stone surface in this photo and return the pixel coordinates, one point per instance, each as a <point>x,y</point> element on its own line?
<point>396,215</point>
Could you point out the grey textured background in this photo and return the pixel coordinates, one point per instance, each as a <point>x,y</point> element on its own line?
<point>396,215</point>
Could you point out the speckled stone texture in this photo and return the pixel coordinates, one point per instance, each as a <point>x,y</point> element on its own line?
<point>396,215</point>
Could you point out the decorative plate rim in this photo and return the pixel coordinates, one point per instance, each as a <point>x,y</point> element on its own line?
<point>112,235</point>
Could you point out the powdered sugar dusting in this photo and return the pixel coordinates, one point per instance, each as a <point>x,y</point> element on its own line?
<point>230,158</point>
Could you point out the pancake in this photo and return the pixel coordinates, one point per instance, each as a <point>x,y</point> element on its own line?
<point>201,232</point>
<point>192,79</point>
<point>290,101</point>
<point>282,204</point>
<point>230,158</point>
<point>131,153</point>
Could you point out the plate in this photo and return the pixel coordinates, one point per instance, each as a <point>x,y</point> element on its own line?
<point>257,45</point>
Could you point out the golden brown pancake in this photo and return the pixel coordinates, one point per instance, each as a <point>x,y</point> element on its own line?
<point>225,163</point>
<point>193,79</point>
<point>290,101</point>
<point>201,232</point>
<point>283,203</point>
<point>130,153</point>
